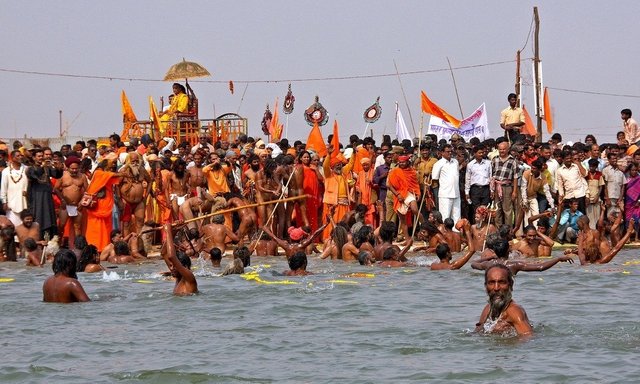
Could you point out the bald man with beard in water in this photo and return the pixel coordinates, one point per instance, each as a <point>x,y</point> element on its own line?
<point>502,315</point>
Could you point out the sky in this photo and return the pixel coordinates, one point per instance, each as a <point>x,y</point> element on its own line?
<point>584,46</point>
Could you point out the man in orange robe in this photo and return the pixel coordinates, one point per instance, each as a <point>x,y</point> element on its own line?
<point>368,191</point>
<point>402,182</point>
<point>336,188</point>
<point>99,222</point>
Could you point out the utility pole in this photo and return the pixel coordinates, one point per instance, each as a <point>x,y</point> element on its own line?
<point>519,103</point>
<point>60,118</point>
<point>536,70</point>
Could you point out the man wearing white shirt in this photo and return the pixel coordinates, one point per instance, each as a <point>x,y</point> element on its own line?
<point>476,185</point>
<point>13,188</point>
<point>447,173</point>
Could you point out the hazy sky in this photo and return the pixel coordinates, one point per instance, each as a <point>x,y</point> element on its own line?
<point>584,45</point>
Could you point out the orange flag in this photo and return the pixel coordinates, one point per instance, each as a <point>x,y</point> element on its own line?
<point>316,142</point>
<point>275,128</point>
<point>529,128</point>
<point>335,143</point>
<point>547,111</point>
<point>153,112</point>
<point>431,108</point>
<point>128,117</point>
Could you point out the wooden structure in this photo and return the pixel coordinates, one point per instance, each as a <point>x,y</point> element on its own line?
<point>188,126</point>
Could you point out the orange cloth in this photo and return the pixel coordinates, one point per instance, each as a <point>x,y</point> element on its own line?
<point>315,141</point>
<point>335,143</point>
<point>311,188</point>
<point>404,181</point>
<point>360,153</point>
<point>368,196</point>
<point>339,213</point>
<point>547,111</point>
<point>529,128</point>
<point>216,180</point>
<point>275,128</point>
<point>99,223</point>
<point>431,108</point>
<point>128,117</point>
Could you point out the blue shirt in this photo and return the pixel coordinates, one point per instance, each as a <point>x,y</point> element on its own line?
<point>571,218</point>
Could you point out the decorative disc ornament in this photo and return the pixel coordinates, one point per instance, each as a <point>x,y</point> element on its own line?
<point>316,114</point>
<point>372,114</point>
<point>287,106</point>
<point>266,121</point>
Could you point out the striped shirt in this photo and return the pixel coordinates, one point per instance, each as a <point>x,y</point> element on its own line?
<point>503,170</point>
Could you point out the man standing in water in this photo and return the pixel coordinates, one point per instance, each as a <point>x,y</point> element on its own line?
<point>179,265</point>
<point>63,286</point>
<point>502,314</point>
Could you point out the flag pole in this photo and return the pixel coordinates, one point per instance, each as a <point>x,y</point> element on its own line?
<point>286,126</point>
<point>366,128</point>
<point>455,87</point>
<point>405,98</point>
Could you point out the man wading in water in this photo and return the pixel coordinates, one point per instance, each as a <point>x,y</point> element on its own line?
<point>179,265</point>
<point>502,315</point>
<point>63,286</point>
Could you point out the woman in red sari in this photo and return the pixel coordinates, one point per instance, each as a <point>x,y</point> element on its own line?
<point>311,188</point>
<point>99,223</point>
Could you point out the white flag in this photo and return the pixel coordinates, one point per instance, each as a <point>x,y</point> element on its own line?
<point>402,132</point>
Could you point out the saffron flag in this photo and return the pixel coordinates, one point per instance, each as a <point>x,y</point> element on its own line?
<point>528,128</point>
<point>402,132</point>
<point>315,141</point>
<point>128,117</point>
<point>547,111</point>
<point>431,108</point>
<point>335,143</point>
<point>275,128</point>
<point>153,113</point>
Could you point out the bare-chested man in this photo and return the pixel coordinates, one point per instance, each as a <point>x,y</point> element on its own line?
<point>502,315</point>
<point>215,235</point>
<point>454,239</point>
<point>33,253</point>
<point>63,286</point>
<point>292,175</point>
<point>249,178</point>
<point>28,229</point>
<point>177,191</point>
<point>134,242</point>
<point>589,251</point>
<point>134,186</point>
<point>268,188</point>
<point>443,252</point>
<point>70,188</point>
<point>529,246</point>
<point>501,251</point>
<point>264,246</point>
<point>386,233</point>
<point>196,177</point>
<point>180,266</point>
<point>121,254</point>
<point>248,218</point>
<point>193,207</point>
<point>482,228</point>
<point>394,258</point>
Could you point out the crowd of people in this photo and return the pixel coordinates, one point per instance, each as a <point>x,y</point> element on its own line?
<point>500,197</point>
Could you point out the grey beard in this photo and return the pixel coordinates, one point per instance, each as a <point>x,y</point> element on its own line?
<point>498,303</point>
<point>135,172</point>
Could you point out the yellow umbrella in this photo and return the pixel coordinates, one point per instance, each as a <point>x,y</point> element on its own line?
<point>184,70</point>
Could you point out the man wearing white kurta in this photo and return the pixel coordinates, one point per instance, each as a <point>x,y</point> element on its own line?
<point>13,188</point>
<point>447,173</point>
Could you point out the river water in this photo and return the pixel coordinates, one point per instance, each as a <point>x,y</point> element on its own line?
<point>402,325</point>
